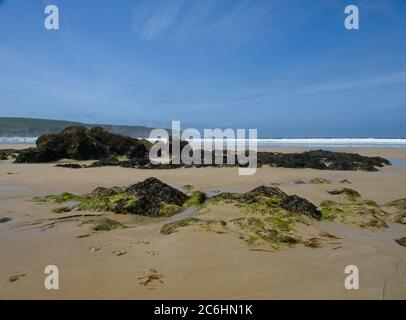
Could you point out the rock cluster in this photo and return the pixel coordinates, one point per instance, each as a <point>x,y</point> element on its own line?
<point>318,159</point>
<point>322,160</point>
<point>80,143</point>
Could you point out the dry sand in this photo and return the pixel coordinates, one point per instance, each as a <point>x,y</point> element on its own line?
<point>193,264</point>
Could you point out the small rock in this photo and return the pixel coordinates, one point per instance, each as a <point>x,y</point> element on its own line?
<point>401,241</point>
<point>16,277</point>
<point>5,219</point>
<point>119,252</point>
<point>83,236</point>
<point>95,249</point>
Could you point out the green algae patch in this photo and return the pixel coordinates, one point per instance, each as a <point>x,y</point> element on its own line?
<point>210,225</point>
<point>173,226</point>
<point>399,208</point>
<point>271,232</point>
<point>59,198</point>
<point>268,200</point>
<point>150,197</point>
<point>284,225</point>
<point>115,200</point>
<point>319,181</point>
<point>350,194</point>
<point>399,204</point>
<point>197,199</point>
<point>62,209</point>
<point>168,209</point>
<point>269,219</point>
<point>106,224</point>
<point>364,214</point>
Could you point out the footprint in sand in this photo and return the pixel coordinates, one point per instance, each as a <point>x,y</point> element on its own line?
<point>152,279</point>
<point>153,252</point>
<point>143,242</point>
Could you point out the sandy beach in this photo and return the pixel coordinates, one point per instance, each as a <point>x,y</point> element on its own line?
<point>192,263</point>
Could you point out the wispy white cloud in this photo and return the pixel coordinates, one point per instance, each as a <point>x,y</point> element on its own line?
<point>152,18</point>
<point>212,19</point>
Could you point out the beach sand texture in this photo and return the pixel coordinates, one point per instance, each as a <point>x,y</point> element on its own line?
<point>139,262</point>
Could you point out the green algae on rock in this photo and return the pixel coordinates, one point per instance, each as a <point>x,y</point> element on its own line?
<point>268,218</point>
<point>363,214</point>
<point>59,198</point>
<point>399,208</point>
<point>204,225</point>
<point>351,194</point>
<point>319,181</point>
<point>265,200</point>
<point>150,197</point>
<point>62,209</point>
<point>197,199</point>
<point>106,224</point>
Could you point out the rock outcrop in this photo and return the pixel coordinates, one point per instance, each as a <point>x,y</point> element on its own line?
<point>80,143</point>
<point>268,199</point>
<point>150,197</point>
<point>322,160</point>
<point>153,187</point>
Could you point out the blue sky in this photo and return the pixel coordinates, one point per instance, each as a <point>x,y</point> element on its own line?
<point>287,68</point>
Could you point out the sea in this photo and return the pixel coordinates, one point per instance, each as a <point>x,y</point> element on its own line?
<point>282,142</point>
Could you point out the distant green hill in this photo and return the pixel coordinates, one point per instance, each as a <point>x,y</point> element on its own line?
<point>30,127</point>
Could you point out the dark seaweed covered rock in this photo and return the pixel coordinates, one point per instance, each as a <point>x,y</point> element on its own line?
<point>69,165</point>
<point>289,202</point>
<point>80,143</point>
<point>147,205</point>
<point>268,191</point>
<point>318,159</point>
<point>298,204</point>
<point>109,161</point>
<point>322,160</point>
<point>268,198</point>
<point>142,163</point>
<point>150,197</point>
<point>154,188</point>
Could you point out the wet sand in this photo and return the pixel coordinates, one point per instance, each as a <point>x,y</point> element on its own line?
<point>189,263</point>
